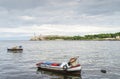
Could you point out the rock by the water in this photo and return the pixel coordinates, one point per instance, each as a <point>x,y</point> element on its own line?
<point>103,71</point>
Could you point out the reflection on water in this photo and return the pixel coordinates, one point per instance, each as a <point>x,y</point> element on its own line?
<point>53,75</point>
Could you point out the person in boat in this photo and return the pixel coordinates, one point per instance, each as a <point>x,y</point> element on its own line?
<point>15,47</point>
<point>73,61</point>
<point>20,47</point>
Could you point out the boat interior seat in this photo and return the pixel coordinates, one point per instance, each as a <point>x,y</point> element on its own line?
<point>55,64</point>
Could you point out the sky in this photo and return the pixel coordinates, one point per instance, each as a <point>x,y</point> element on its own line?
<point>21,19</point>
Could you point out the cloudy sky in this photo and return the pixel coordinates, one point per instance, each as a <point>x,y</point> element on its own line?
<point>20,19</point>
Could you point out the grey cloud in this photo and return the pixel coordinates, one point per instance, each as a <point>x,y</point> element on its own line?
<point>31,4</point>
<point>80,6</point>
<point>99,7</point>
<point>21,4</point>
<point>58,12</point>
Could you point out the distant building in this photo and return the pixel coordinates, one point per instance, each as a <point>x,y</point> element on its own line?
<point>109,38</point>
<point>117,37</point>
<point>37,38</point>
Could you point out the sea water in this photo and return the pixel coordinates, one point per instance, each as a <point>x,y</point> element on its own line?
<point>93,57</point>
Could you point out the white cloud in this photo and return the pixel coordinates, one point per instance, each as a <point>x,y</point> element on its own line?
<point>27,17</point>
<point>57,30</point>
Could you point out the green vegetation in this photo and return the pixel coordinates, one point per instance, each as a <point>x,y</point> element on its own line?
<point>103,36</point>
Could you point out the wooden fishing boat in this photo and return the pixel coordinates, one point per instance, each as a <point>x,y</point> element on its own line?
<point>16,48</point>
<point>63,68</point>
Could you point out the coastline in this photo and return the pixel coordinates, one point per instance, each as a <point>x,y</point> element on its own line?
<point>95,37</point>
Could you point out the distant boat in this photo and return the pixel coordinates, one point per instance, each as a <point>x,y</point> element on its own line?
<point>64,68</point>
<point>16,48</point>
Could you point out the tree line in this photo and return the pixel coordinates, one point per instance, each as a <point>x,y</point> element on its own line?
<point>86,37</point>
<point>101,36</point>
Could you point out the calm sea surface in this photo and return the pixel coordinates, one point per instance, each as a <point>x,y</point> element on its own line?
<point>93,56</point>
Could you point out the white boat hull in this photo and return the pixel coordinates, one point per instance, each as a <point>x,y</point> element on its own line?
<point>76,70</point>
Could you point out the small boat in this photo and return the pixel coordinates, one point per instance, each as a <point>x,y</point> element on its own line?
<point>70,68</point>
<point>16,48</point>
